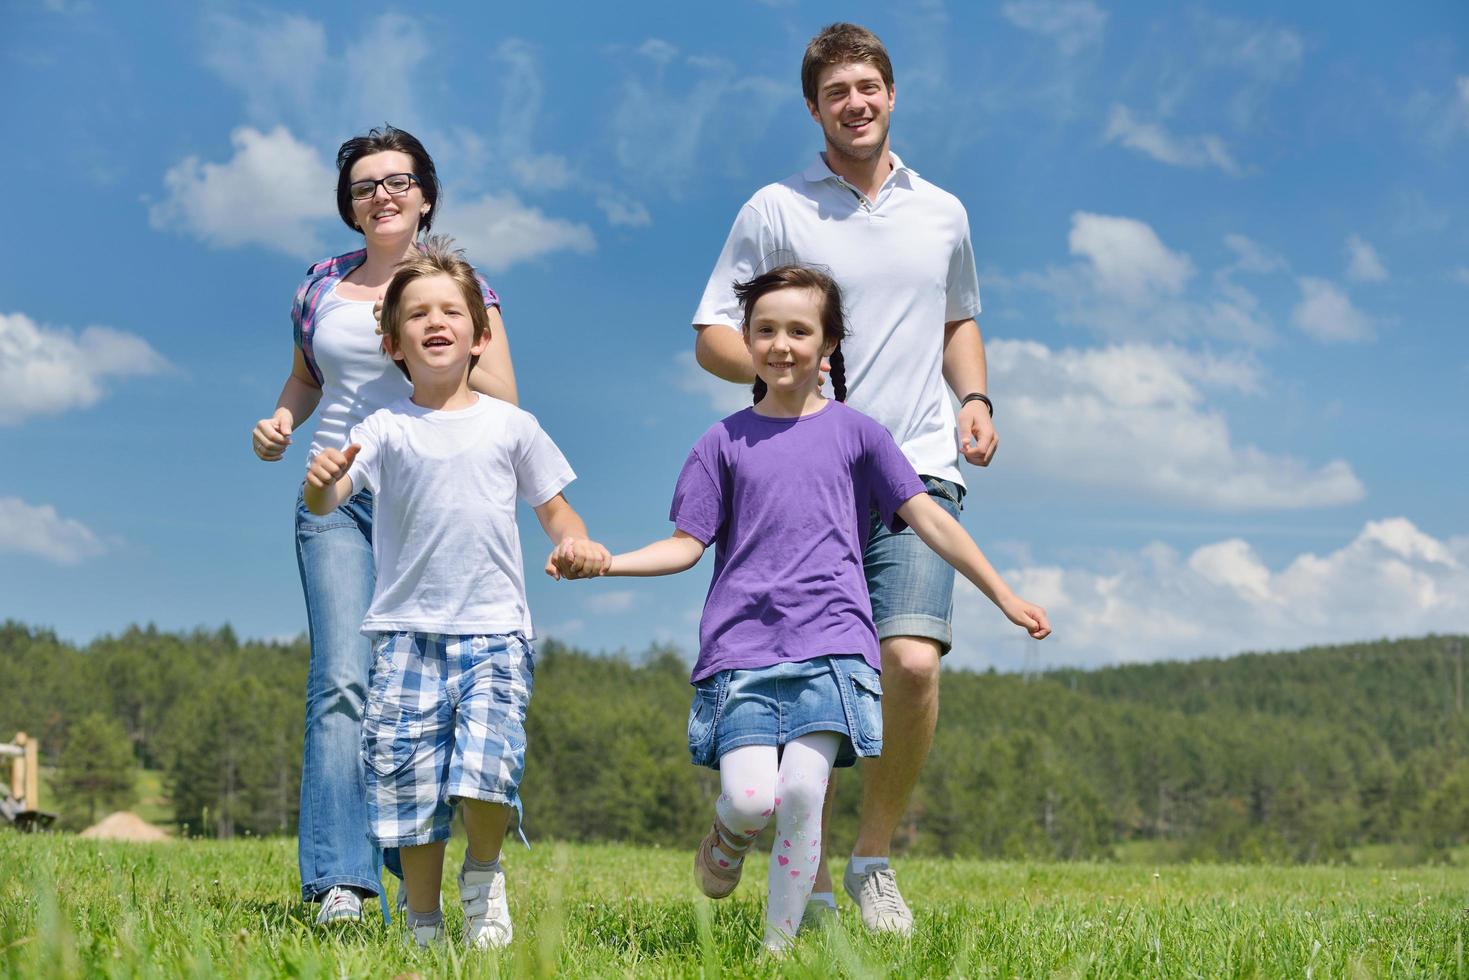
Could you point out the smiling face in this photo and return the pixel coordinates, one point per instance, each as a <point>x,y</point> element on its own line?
<point>785,339</point>
<point>853,107</point>
<point>384,215</point>
<point>435,333</point>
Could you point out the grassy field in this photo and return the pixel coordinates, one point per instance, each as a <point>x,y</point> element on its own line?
<point>71,907</point>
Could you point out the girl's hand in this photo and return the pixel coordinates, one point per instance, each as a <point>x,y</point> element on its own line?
<point>1027,616</point>
<point>577,558</point>
<point>329,466</point>
<point>271,436</point>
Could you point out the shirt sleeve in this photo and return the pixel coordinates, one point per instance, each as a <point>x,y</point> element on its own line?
<point>541,471</point>
<point>698,499</point>
<point>492,298</point>
<point>962,295</point>
<point>891,479</point>
<point>365,471</point>
<point>749,242</point>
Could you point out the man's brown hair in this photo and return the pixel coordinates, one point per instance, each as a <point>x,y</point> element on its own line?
<point>434,256</point>
<point>843,44</point>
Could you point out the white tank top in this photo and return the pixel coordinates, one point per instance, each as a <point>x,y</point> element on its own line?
<point>357,377</point>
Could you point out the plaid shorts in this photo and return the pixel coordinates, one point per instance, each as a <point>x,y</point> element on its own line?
<point>445,720</point>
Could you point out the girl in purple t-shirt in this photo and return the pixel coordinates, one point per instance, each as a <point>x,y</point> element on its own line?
<point>786,683</point>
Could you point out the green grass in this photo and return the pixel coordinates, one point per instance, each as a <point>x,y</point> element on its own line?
<point>71,907</point>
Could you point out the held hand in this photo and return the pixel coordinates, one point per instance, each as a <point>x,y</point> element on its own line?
<point>822,371</point>
<point>977,439</point>
<point>377,315</point>
<point>1027,615</point>
<point>271,436</point>
<point>576,558</point>
<point>329,465</point>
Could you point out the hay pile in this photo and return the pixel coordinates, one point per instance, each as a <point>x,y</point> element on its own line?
<point>125,826</point>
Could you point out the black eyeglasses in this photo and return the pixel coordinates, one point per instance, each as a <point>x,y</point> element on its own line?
<point>394,184</point>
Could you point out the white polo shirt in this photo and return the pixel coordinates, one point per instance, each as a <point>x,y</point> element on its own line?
<point>905,267</point>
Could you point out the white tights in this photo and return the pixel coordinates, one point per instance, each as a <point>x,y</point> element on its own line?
<point>758,780</point>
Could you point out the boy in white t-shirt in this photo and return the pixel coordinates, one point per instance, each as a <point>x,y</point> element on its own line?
<point>453,667</point>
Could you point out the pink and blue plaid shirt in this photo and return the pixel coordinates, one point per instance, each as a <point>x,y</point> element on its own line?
<point>320,279</point>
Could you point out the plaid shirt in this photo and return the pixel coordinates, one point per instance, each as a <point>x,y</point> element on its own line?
<point>320,279</point>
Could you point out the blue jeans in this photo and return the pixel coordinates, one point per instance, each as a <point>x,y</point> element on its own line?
<point>911,587</point>
<point>334,554</point>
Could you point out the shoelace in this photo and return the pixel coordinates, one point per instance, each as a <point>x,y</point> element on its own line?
<point>339,899</point>
<point>881,887</point>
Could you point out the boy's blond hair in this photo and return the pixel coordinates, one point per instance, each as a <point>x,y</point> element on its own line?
<point>434,256</point>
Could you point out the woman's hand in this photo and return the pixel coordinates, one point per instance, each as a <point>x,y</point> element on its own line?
<point>271,436</point>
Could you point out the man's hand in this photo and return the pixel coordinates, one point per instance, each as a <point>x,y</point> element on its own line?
<point>1027,615</point>
<point>271,436</point>
<point>329,466</point>
<point>977,438</point>
<point>577,558</point>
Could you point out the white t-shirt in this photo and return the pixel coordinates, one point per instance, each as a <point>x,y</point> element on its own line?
<point>357,376</point>
<point>444,537</point>
<point>905,267</point>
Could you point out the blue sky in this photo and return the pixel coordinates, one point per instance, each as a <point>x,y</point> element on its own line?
<point>1224,255</point>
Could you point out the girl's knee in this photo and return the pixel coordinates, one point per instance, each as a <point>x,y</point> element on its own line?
<point>802,799</point>
<point>748,810</point>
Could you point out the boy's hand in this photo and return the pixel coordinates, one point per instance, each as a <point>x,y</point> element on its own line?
<point>577,558</point>
<point>271,436</point>
<point>330,465</point>
<point>1027,616</point>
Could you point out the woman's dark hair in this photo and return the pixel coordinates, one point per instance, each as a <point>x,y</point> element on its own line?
<point>379,141</point>
<point>833,320</point>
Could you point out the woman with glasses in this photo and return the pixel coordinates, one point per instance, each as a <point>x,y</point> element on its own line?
<point>387,191</point>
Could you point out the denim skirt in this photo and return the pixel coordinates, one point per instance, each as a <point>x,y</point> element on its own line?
<point>773,705</point>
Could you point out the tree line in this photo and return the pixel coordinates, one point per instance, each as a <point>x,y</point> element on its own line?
<point>1297,756</point>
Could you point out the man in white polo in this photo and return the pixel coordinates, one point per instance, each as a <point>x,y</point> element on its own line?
<point>899,248</point>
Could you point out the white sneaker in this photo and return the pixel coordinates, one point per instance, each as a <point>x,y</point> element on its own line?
<point>425,936</point>
<point>339,904</point>
<point>486,910</point>
<point>877,896</point>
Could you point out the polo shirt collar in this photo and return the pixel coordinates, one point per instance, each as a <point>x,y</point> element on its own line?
<point>819,172</point>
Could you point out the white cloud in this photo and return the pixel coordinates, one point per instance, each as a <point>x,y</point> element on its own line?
<point>498,230</point>
<point>1363,263</point>
<point>1461,274</point>
<point>46,370</point>
<point>660,118</point>
<point>1072,24</point>
<point>722,396</point>
<point>278,63</point>
<point>542,171</point>
<point>1392,579</point>
<point>1325,313</point>
<point>1126,256</point>
<point>1254,257</point>
<point>1128,284</point>
<point>609,603</point>
<point>1136,418</point>
<point>28,529</point>
<point>273,192</point>
<point>1260,57</point>
<point>1151,139</point>
<point>624,211</point>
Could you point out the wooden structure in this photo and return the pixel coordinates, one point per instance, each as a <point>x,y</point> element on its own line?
<point>20,806</point>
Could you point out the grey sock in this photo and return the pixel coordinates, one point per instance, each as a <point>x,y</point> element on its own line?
<point>470,864</point>
<point>416,919</point>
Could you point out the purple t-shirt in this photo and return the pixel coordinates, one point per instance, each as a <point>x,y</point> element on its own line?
<point>786,503</point>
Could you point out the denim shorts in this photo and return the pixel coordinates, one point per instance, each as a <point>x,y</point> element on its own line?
<point>774,705</point>
<point>445,721</point>
<point>911,587</point>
